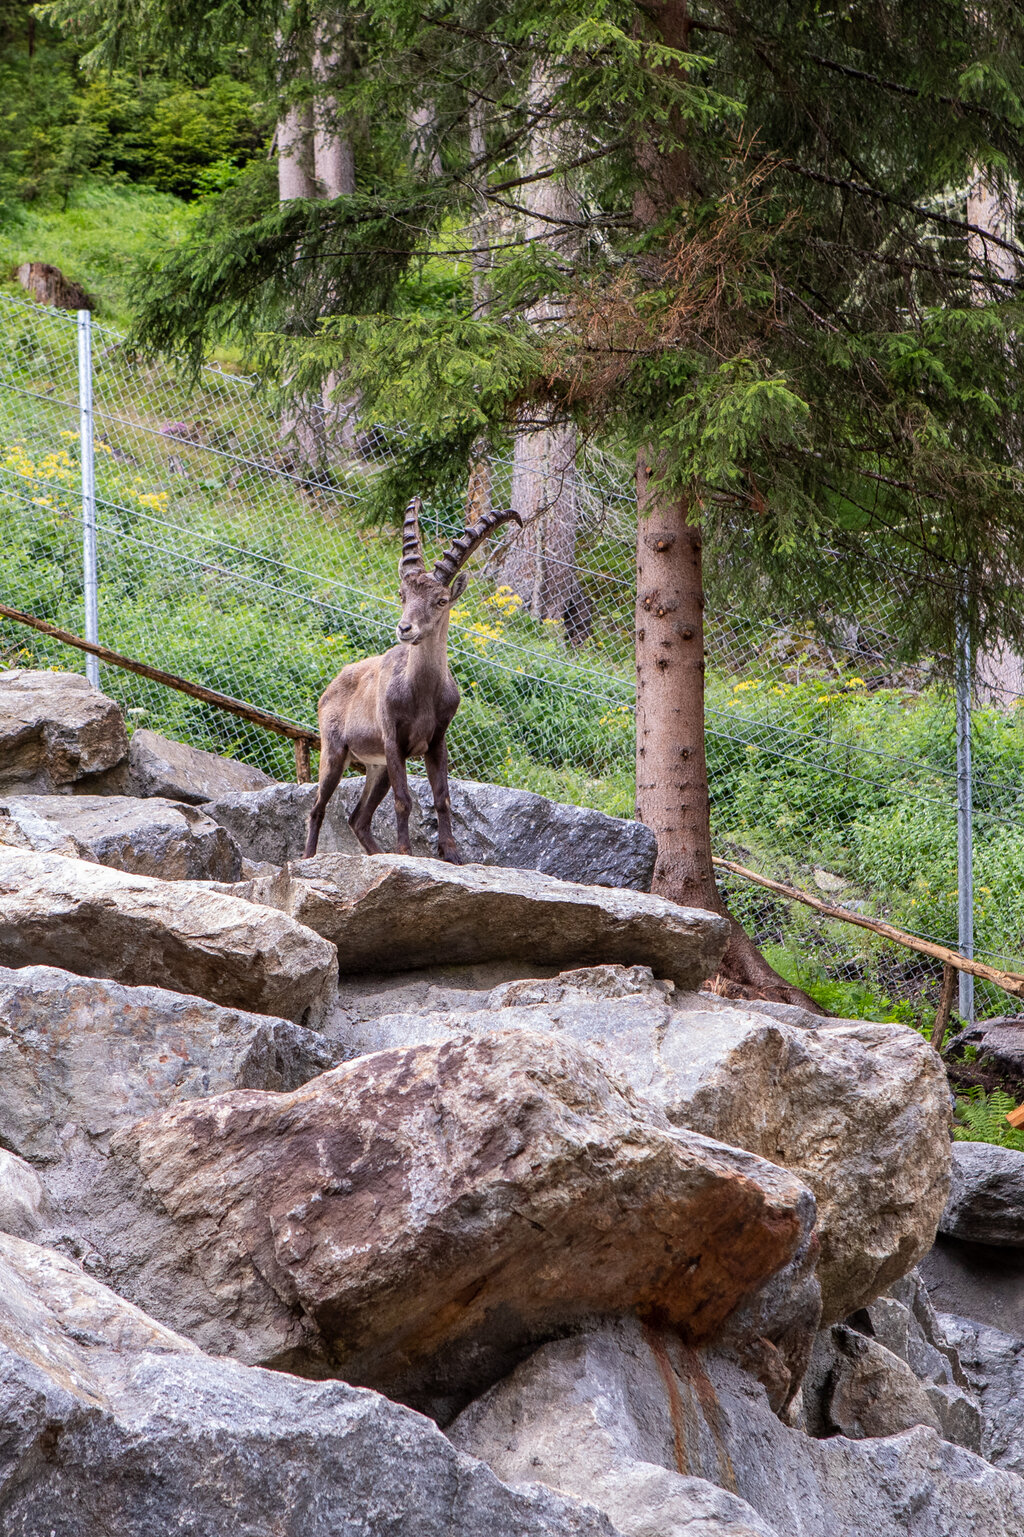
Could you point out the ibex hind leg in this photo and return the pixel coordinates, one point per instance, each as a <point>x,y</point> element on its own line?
<point>361,821</point>
<point>333,763</point>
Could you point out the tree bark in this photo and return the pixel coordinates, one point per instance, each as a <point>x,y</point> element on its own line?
<point>541,564</point>
<point>295,153</point>
<point>672,794</point>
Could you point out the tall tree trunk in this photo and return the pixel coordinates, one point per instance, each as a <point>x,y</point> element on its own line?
<point>999,669</point>
<point>672,794</point>
<point>478,488</point>
<point>295,153</point>
<point>334,166</point>
<point>541,564</point>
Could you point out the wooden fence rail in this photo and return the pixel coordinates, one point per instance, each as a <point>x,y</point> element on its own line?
<point>301,736</point>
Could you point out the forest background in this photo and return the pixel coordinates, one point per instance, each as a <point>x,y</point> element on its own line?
<point>134,134</point>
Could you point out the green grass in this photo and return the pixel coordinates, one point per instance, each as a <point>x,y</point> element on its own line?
<point>97,240</point>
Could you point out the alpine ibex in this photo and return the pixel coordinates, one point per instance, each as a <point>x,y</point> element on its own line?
<point>380,712</point>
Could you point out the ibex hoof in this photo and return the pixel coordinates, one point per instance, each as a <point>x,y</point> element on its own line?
<point>450,855</point>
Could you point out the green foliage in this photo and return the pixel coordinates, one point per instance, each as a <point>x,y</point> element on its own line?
<point>981,1117</point>
<point>98,239</point>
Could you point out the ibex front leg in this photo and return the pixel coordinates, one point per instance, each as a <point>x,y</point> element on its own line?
<point>436,760</point>
<point>403,796</point>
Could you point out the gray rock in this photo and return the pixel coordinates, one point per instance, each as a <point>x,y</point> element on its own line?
<point>866,1390</point>
<point>986,1195</point>
<point>80,1057</point>
<point>390,912</point>
<point>860,1112</point>
<point>144,837</point>
<point>976,1280</point>
<point>415,1220</point>
<point>161,767</point>
<point>621,1392</point>
<point>493,826</point>
<point>994,1363</point>
<point>999,1044</point>
<point>57,733</point>
<point>177,934</point>
<point>113,1424</point>
<point>22,1197</point>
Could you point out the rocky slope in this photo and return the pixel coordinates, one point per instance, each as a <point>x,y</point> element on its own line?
<point>538,1237</point>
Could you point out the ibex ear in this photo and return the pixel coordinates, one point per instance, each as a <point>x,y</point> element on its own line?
<point>459,585</point>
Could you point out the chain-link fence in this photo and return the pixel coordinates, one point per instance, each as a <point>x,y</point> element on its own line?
<point>234,551</point>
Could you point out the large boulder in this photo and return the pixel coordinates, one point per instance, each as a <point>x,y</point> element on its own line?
<point>986,1195</point>
<point>176,934</point>
<point>57,733</point>
<point>81,1056</point>
<point>112,1423</point>
<point>860,1112</point>
<point>144,837</point>
<point>413,1220</point>
<point>494,825</point>
<point>581,1409</point>
<point>389,912</point>
<point>158,766</point>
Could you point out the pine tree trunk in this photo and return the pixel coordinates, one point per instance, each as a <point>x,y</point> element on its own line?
<point>295,154</point>
<point>541,563</point>
<point>672,795</point>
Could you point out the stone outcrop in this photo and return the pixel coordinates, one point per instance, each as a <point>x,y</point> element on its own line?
<point>582,1409</point>
<point>158,766</point>
<point>493,825</point>
<point>80,1057</point>
<point>986,1195</point>
<point>864,1390</point>
<point>860,1112</point>
<point>994,1364</point>
<point>57,733</point>
<point>391,913</point>
<point>115,1424</point>
<point>180,935</point>
<point>22,1197</point>
<point>413,1220</point>
<point>143,837</point>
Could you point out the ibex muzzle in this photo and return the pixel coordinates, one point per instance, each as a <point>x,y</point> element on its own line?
<point>387,709</point>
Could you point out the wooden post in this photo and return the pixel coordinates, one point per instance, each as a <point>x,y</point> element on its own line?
<point>949,979</point>
<point>1016,1118</point>
<point>302,774</point>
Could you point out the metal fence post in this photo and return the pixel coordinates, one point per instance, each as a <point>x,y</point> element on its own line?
<point>85,439</point>
<point>964,796</point>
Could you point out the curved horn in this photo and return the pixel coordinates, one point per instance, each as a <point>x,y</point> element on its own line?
<point>459,551</point>
<point>412,545</point>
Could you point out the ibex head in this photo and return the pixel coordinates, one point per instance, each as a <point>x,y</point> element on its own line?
<point>427,596</point>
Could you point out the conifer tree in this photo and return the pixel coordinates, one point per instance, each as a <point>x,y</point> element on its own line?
<point>775,300</point>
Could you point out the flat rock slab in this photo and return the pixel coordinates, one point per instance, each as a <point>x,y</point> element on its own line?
<point>181,935</point>
<point>387,912</point>
<point>494,825</point>
<point>158,766</point>
<point>144,837</point>
<point>56,732</point>
<point>581,1409</point>
<point>81,1056</point>
<point>860,1112</point>
<point>986,1195</point>
<point>412,1220</point>
<point>115,1424</point>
